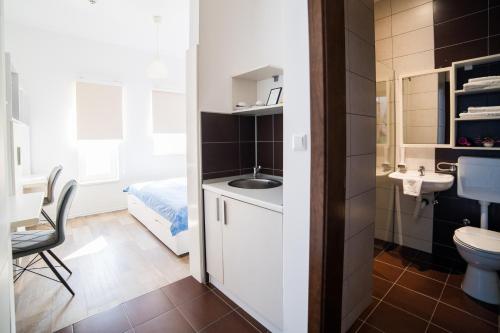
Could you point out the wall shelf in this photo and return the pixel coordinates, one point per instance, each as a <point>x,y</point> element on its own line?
<point>260,110</point>
<point>477,91</point>
<point>477,119</point>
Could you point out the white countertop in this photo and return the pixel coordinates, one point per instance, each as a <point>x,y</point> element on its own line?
<point>271,198</point>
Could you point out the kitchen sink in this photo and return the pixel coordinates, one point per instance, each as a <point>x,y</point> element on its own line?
<point>255,183</point>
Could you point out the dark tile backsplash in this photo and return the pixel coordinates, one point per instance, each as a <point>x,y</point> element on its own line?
<point>465,29</point>
<point>451,210</point>
<point>229,143</point>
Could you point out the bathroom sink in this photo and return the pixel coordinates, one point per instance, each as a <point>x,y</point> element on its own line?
<point>432,182</point>
<point>255,183</point>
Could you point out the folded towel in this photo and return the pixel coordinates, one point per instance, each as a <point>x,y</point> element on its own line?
<point>486,84</point>
<point>480,115</point>
<point>476,109</point>
<point>484,78</point>
<point>412,187</point>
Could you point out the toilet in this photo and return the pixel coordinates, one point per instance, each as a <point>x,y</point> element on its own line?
<point>480,248</point>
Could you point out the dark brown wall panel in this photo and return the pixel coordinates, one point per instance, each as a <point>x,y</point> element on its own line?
<point>445,10</point>
<point>446,55</point>
<point>461,30</point>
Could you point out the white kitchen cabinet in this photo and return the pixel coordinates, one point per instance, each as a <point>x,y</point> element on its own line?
<point>213,235</point>
<point>245,246</point>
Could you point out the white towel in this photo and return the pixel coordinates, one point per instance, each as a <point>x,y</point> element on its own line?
<point>477,109</point>
<point>412,187</point>
<point>480,115</point>
<point>484,78</point>
<point>485,84</point>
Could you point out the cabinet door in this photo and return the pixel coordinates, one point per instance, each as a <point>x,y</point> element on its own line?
<point>253,257</point>
<point>213,235</point>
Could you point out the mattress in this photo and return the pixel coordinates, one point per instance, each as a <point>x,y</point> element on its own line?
<point>166,197</point>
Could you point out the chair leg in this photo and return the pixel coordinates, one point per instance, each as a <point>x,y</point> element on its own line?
<point>47,217</point>
<point>56,273</point>
<point>56,258</point>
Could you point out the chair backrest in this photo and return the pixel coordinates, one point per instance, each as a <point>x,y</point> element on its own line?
<point>63,205</point>
<point>56,172</point>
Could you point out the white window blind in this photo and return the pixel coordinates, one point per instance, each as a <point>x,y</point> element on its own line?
<point>99,111</point>
<point>169,112</point>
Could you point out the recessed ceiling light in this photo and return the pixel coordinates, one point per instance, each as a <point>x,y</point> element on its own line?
<point>92,2</point>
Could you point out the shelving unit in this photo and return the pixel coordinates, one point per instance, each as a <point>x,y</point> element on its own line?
<point>254,85</point>
<point>462,99</point>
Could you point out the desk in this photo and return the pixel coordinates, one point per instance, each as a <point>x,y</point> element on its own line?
<point>23,210</point>
<point>34,183</point>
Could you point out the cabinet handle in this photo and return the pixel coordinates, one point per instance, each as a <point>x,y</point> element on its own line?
<point>217,204</point>
<point>224,211</point>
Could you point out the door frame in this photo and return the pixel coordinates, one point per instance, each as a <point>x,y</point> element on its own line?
<point>328,163</point>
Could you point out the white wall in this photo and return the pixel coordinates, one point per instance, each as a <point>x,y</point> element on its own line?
<point>296,167</point>
<point>49,64</point>
<point>235,36</point>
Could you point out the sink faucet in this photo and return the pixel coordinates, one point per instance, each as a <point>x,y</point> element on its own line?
<point>256,171</point>
<point>421,169</point>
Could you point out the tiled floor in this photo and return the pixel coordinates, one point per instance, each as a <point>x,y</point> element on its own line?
<point>183,306</point>
<point>412,294</point>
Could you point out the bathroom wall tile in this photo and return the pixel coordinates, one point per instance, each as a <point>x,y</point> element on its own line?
<point>473,49</point>
<point>348,135</point>
<point>494,44</point>
<point>421,101</point>
<point>265,155</point>
<point>383,28</point>
<point>385,198</point>
<point>414,62</point>
<point>278,127</point>
<point>382,9</point>
<point>361,212</point>
<point>494,19</point>
<point>361,174</point>
<point>217,127</point>
<point>415,157</point>
<point>426,117</point>
<point>362,95</point>
<point>412,19</point>
<point>445,10</point>
<point>421,135</point>
<point>401,5</point>
<point>453,32</point>
<point>363,135</point>
<point>423,83</point>
<point>278,155</point>
<point>265,128</point>
<point>444,231</point>
<point>420,228</point>
<point>406,204</point>
<point>247,155</point>
<point>356,287</point>
<point>358,251</point>
<point>383,49</point>
<point>414,243</point>
<point>359,51</point>
<point>413,42</point>
<point>360,20</point>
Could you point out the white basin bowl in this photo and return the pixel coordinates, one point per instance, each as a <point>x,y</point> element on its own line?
<point>432,182</point>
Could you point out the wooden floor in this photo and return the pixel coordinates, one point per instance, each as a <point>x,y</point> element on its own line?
<point>114,258</point>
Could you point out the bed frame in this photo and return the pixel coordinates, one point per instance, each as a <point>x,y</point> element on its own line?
<point>158,225</point>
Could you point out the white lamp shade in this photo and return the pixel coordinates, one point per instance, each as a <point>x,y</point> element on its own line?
<point>157,70</point>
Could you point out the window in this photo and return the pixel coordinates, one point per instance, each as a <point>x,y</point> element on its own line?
<point>169,123</point>
<point>99,131</point>
<point>98,161</point>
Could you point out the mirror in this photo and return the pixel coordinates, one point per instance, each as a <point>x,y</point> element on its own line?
<point>426,108</point>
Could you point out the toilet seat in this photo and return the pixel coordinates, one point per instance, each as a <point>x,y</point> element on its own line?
<point>477,239</point>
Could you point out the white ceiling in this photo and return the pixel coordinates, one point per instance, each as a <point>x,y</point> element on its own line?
<point>123,22</point>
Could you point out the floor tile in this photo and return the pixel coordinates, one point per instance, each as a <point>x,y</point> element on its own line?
<point>380,287</point>
<point>400,256</point>
<point>354,328</point>
<point>146,307</point>
<point>252,320</point>
<point>421,284</point>
<point>390,319</point>
<point>204,310</point>
<point>385,271</point>
<point>231,323</point>
<point>456,279</point>
<point>169,322</point>
<point>420,305</point>
<point>435,329</point>
<point>366,328</point>
<point>226,299</point>
<point>446,317</point>
<point>429,270</point>
<point>111,321</point>
<point>457,298</point>
<point>370,307</point>
<point>184,290</point>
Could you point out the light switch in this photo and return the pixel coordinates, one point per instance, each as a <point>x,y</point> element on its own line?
<point>299,142</point>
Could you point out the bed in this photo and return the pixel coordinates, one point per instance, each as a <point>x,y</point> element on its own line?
<point>162,207</point>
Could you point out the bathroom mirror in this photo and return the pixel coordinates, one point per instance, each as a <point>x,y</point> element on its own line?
<point>425,108</point>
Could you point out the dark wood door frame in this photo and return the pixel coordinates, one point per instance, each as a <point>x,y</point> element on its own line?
<point>328,163</point>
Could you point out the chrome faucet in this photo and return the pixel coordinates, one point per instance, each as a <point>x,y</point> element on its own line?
<point>256,171</point>
<point>421,169</point>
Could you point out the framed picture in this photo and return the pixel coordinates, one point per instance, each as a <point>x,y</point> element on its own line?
<point>274,96</point>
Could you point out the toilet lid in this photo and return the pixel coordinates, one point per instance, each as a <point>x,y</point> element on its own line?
<point>480,239</point>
